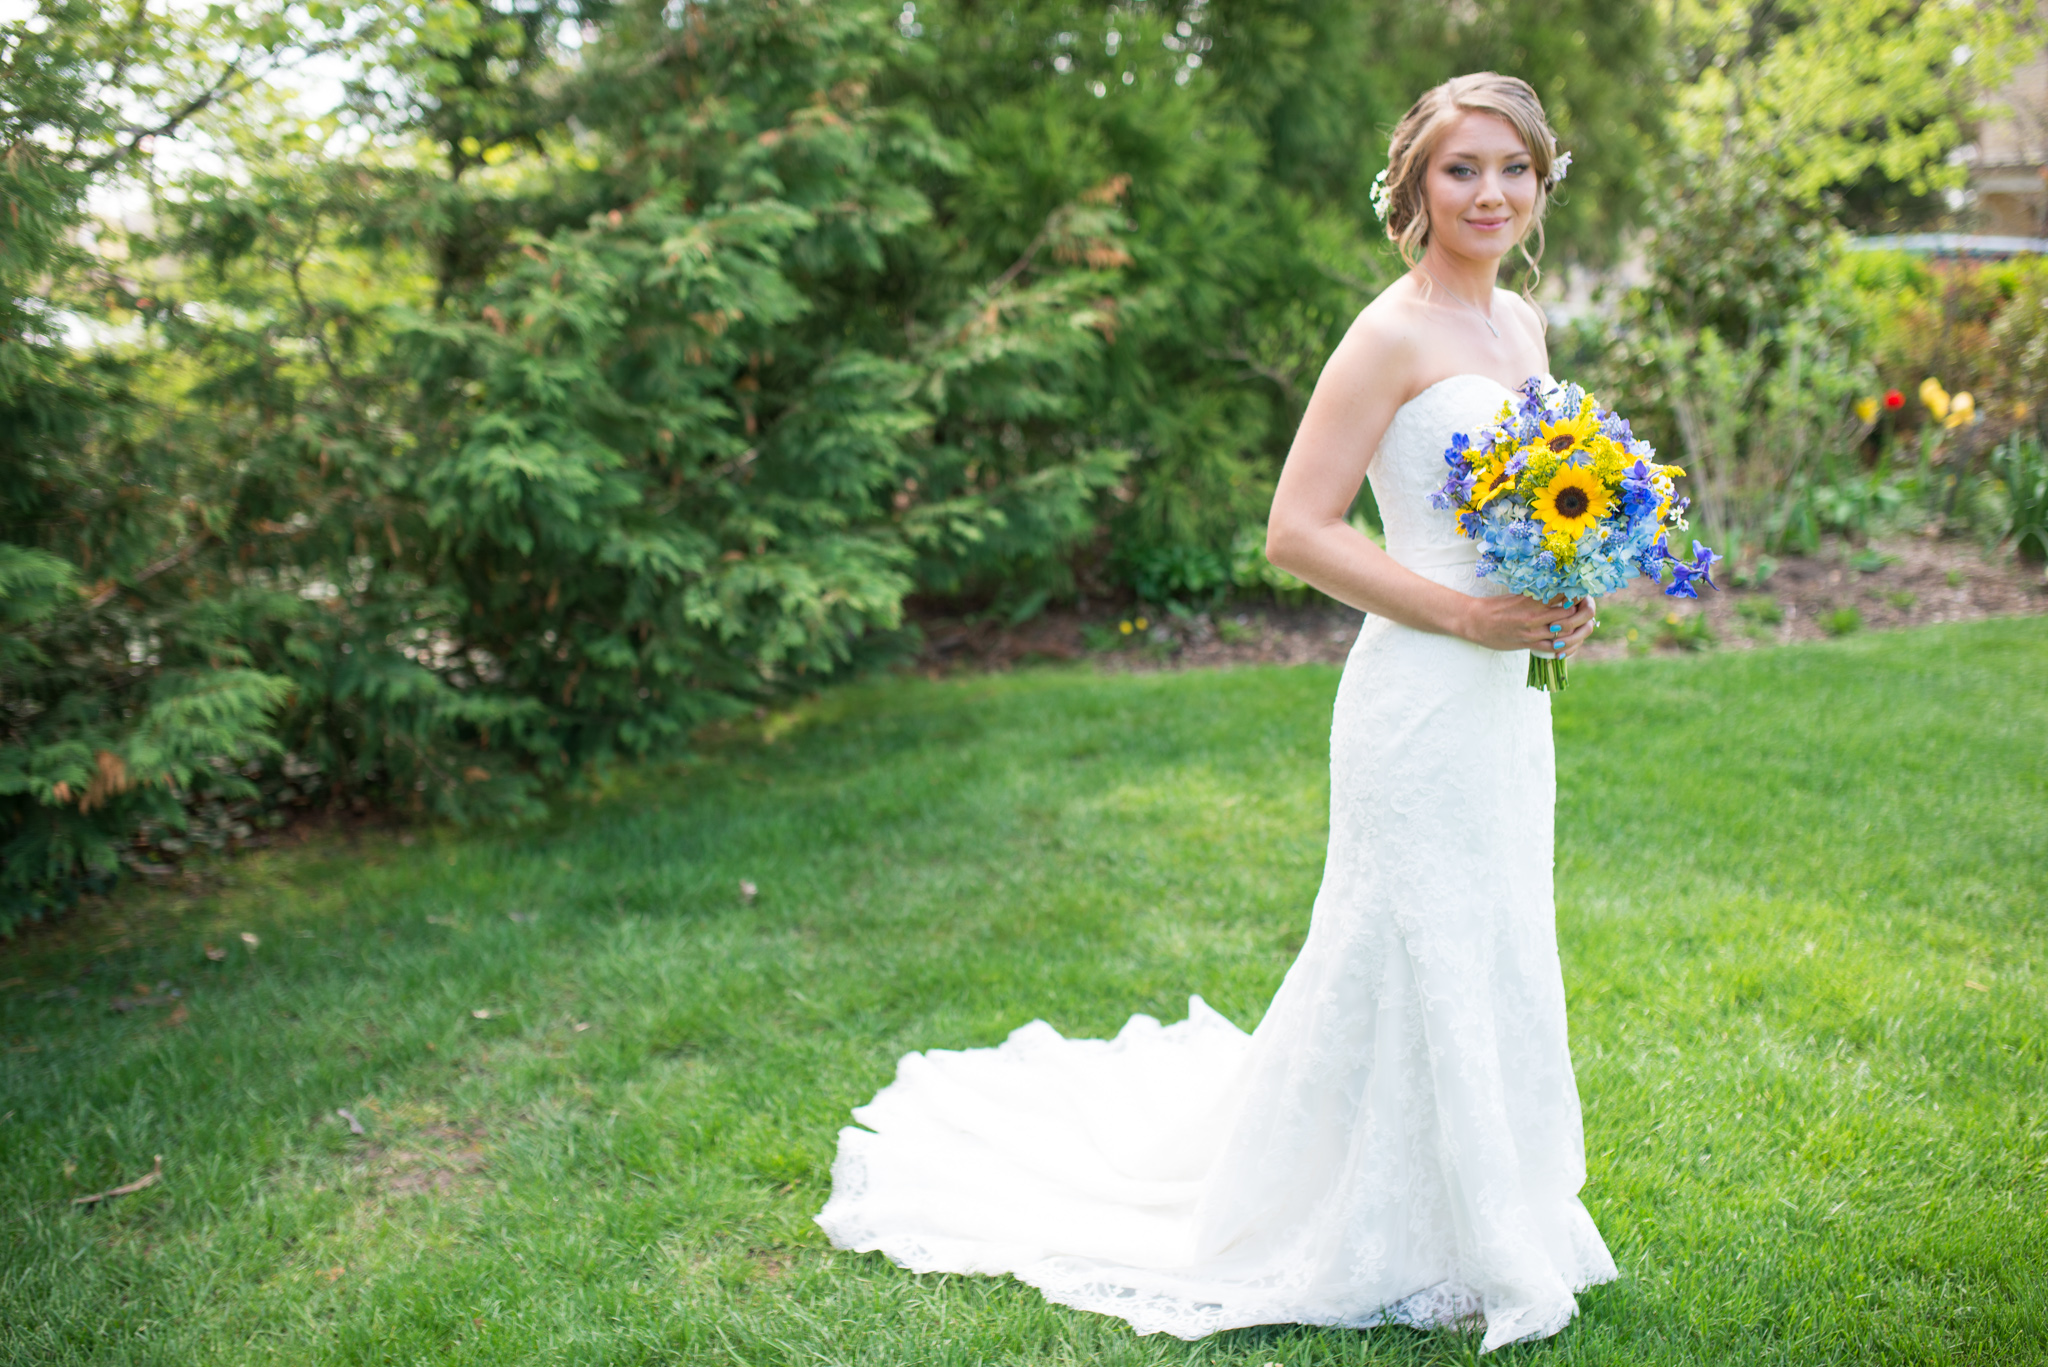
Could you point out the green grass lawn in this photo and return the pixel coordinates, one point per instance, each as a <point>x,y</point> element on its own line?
<point>1801,900</point>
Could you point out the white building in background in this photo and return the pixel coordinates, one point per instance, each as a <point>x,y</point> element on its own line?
<point>2008,158</point>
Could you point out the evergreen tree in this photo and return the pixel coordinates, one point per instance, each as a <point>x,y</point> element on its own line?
<point>596,370</point>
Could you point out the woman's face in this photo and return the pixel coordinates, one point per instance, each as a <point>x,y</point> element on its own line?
<point>1480,187</point>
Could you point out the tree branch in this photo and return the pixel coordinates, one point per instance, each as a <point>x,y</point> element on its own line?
<point>1281,379</point>
<point>233,80</point>
<point>307,312</point>
<point>1022,263</point>
<point>1349,282</point>
<point>169,562</point>
<point>197,104</point>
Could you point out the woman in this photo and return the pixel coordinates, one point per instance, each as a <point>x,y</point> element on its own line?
<point>1399,1141</point>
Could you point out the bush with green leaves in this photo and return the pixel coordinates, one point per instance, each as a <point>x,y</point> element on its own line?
<point>1767,430</point>
<point>457,466</point>
<point>1745,352</point>
<point>2018,338</point>
<point>129,674</point>
<point>1250,131</point>
<point>2021,465</point>
<point>595,370</point>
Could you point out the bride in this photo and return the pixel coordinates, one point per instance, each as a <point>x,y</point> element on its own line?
<point>1399,1140</point>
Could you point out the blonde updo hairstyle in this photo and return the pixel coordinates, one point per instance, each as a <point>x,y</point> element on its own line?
<point>1415,139</point>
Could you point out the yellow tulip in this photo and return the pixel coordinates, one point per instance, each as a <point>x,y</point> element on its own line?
<point>1934,396</point>
<point>1866,411</point>
<point>1962,410</point>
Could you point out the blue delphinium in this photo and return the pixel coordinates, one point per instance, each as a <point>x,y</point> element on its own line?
<point>1684,576</point>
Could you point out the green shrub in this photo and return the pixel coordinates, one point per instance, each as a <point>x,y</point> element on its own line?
<point>1841,621</point>
<point>452,483</point>
<point>2019,341</point>
<point>1097,639</point>
<point>1235,631</point>
<point>2022,465</point>
<point>1686,631</point>
<point>1920,322</point>
<point>562,405</point>
<point>128,683</point>
<point>1251,573</point>
<point>1762,612</point>
<point>1857,503</point>
<point>1176,574</point>
<point>1753,574</point>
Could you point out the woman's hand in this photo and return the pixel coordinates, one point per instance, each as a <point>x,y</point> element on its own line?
<point>1513,622</point>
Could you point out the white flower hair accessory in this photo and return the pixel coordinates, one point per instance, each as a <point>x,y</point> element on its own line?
<point>1381,195</point>
<point>1558,166</point>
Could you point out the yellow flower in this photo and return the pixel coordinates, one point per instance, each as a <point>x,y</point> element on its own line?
<point>1609,460</point>
<point>1962,410</point>
<point>1124,627</point>
<point>1573,434</point>
<point>1142,624</point>
<point>1573,501</point>
<point>2022,410</point>
<point>1490,479</point>
<point>1934,396</point>
<point>1866,411</point>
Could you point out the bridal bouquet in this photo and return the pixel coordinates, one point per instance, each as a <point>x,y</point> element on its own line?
<point>1565,502</point>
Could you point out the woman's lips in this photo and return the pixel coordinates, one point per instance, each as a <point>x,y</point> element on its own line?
<point>1486,225</point>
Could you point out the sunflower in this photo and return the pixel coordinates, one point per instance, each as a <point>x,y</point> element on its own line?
<point>1573,501</point>
<point>1490,479</point>
<point>1572,434</point>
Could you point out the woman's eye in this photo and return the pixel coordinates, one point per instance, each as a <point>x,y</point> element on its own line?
<point>1518,168</point>
<point>1461,171</point>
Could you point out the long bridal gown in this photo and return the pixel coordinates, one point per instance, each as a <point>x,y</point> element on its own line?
<point>1399,1140</point>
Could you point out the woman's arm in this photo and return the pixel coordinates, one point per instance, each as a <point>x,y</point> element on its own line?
<point>1363,385</point>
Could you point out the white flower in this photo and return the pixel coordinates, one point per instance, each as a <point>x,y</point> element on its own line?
<point>1559,166</point>
<point>1381,196</point>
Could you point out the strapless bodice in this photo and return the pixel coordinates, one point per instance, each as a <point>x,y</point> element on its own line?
<point>1409,467</point>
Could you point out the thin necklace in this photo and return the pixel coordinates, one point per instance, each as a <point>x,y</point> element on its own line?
<point>1463,300</point>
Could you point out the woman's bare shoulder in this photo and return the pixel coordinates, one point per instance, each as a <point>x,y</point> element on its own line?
<point>1523,309</point>
<point>1383,345</point>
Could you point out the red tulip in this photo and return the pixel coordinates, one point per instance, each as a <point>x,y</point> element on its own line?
<point>1894,399</point>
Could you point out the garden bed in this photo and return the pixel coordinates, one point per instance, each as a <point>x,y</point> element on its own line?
<point>1884,585</point>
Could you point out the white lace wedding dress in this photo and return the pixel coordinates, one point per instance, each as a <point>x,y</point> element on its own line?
<point>1399,1140</point>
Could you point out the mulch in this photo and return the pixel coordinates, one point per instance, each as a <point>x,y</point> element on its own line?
<point>1885,585</point>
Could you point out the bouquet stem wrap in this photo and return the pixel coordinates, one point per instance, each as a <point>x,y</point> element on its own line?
<point>1549,673</point>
